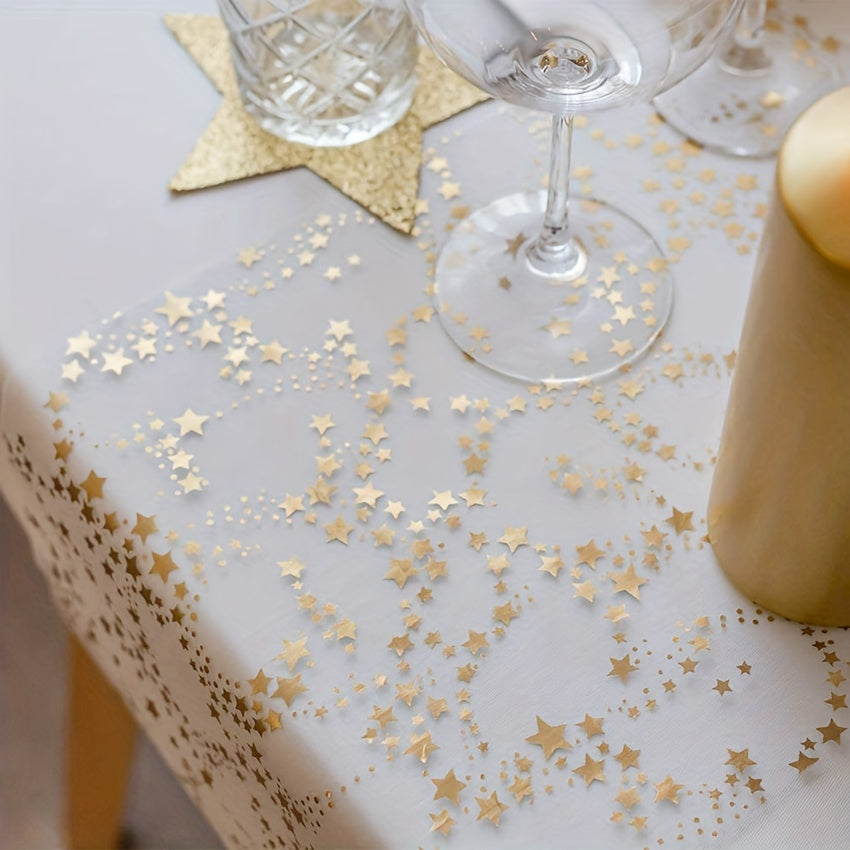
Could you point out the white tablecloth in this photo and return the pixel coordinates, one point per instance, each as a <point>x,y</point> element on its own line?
<point>359,591</point>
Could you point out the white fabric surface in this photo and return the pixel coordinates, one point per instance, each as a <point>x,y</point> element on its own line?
<point>103,108</point>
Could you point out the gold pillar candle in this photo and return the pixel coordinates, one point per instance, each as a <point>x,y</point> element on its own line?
<point>779,508</point>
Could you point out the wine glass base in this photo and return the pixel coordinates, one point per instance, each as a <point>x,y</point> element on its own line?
<point>558,329</point>
<point>748,113</point>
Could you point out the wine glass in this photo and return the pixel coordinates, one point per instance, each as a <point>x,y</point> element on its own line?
<point>763,75</point>
<point>532,286</point>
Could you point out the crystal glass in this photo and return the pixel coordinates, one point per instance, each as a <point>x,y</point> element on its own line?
<point>532,286</point>
<point>322,72</point>
<point>763,75</point>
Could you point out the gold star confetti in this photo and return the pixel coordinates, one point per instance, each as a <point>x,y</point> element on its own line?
<point>803,761</point>
<point>627,757</point>
<point>289,688</point>
<point>490,808</point>
<point>449,787</point>
<point>592,726</point>
<point>442,822</point>
<point>513,538</point>
<point>667,790</point>
<point>681,521</point>
<point>628,581</point>
<point>93,485</point>
<point>191,423</point>
<point>722,687</point>
<point>339,530</point>
<point>421,746</point>
<point>293,652</point>
<point>381,174</point>
<point>163,565</point>
<point>549,738</point>
<point>831,732</point>
<point>589,554</point>
<point>591,770</point>
<point>739,760</point>
<point>622,667</point>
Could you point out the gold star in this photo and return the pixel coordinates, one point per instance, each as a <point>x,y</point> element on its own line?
<point>175,308</point>
<point>754,784</point>
<point>628,797</point>
<point>592,725</point>
<point>521,788</point>
<point>549,738</point>
<point>504,613</point>
<point>476,642</point>
<point>490,808</point>
<point>513,538</point>
<point>681,521</point>
<point>322,423</point>
<point>628,581</point>
<point>628,757</point>
<point>293,652</point>
<point>803,761</point>
<point>688,665</point>
<point>289,688</point>
<point>667,790</point>
<point>551,564</point>
<point>443,821</point>
<point>81,345</point>
<point>559,327</point>
<point>622,667</point>
<point>443,500</point>
<point>836,701</point>
<point>163,565</point>
<point>93,485</point>
<point>115,361</point>
<point>191,422</point>
<point>367,495</point>
<point>144,526</point>
<point>449,787</point>
<point>382,174</point>
<point>591,770</point>
<point>260,683</point>
<point>339,530</point>
<point>722,686</point>
<point>513,245</point>
<point>739,760</point>
<point>589,554</point>
<point>421,746</point>
<point>292,567</point>
<point>401,569</point>
<point>831,732</point>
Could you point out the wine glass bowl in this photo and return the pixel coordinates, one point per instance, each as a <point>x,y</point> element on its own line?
<point>530,286</point>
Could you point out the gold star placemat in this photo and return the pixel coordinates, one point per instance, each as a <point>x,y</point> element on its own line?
<point>381,174</point>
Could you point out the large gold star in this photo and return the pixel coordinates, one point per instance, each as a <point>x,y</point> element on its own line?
<point>449,787</point>
<point>550,738</point>
<point>381,174</point>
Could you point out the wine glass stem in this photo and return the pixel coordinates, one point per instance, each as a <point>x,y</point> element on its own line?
<point>554,252</point>
<point>745,53</point>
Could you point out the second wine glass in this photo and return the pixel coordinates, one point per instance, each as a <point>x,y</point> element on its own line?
<point>532,286</point>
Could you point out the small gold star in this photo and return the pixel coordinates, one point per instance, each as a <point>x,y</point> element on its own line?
<point>289,688</point>
<point>740,760</point>
<point>163,565</point>
<point>442,821</point>
<point>831,732</point>
<point>722,686</point>
<point>622,667</point>
<point>592,726</point>
<point>175,309</point>
<point>589,554</point>
<point>191,422</point>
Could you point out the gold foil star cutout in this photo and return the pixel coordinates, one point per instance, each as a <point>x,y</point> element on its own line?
<point>549,738</point>
<point>442,821</point>
<point>491,808</point>
<point>591,770</point>
<point>449,787</point>
<point>803,761</point>
<point>381,174</point>
<point>667,790</point>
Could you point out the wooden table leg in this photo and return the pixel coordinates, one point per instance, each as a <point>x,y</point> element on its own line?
<point>101,734</point>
